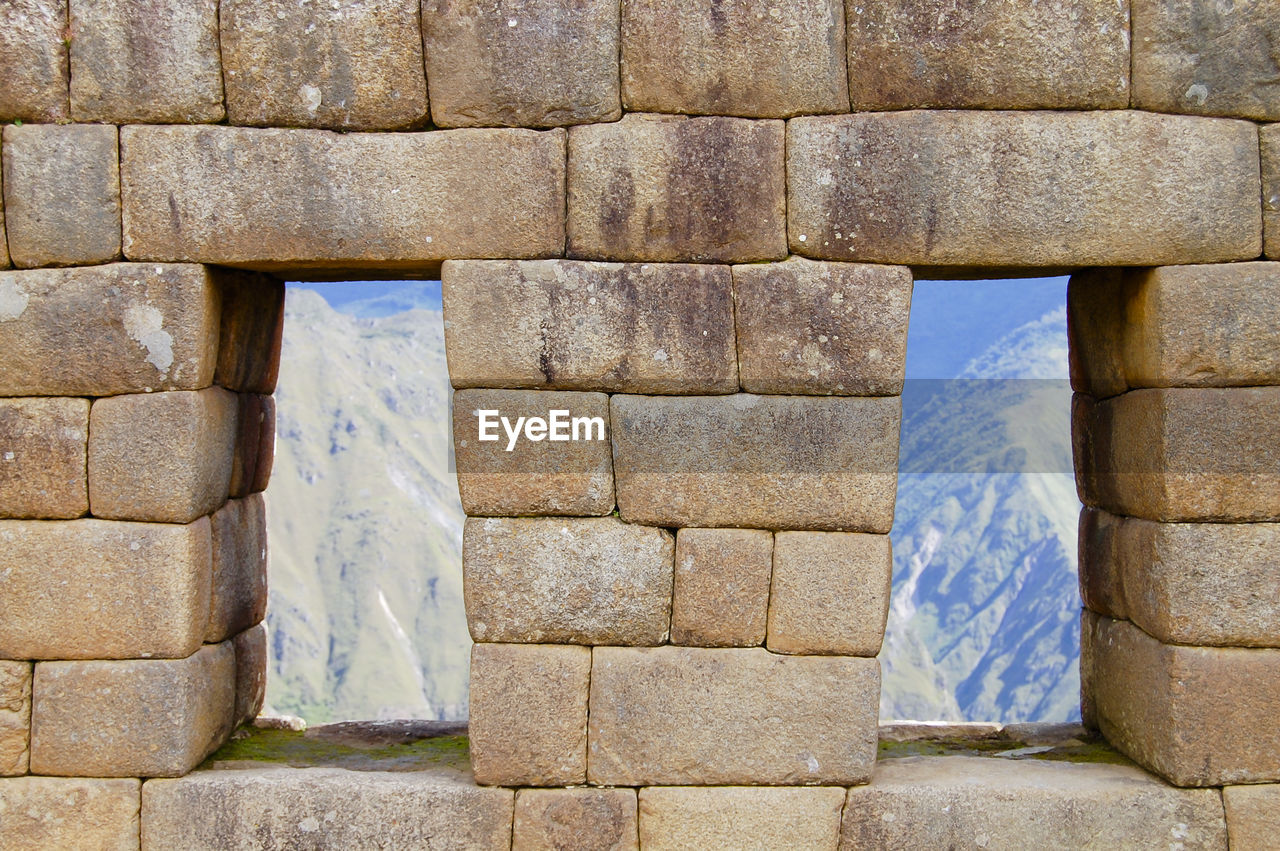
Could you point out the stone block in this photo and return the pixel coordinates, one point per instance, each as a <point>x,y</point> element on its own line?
<point>62,194</point>
<point>145,61</point>
<point>252,658</point>
<point>676,189</point>
<point>1197,716</point>
<point>524,63</point>
<point>15,719</point>
<point>248,809</point>
<point>1206,58</point>
<point>721,591</point>
<point>239,599</point>
<point>106,330</point>
<point>1270,136</point>
<point>63,812</point>
<point>1007,54</point>
<point>981,802</point>
<point>985,191</point>
<point>42,457</point>
<point>33,61</point>
<point>735,716</point>
<point>830,593</point>
<point>308,199</point>
<point>139,718</point>
<point>569,325</point>
<point>772,462</point>
<point>355,66</point>
<point>735,58</point>
<point>4,242</point>
<point>567,581</point>
<point>255,445</point>
<point>822,328</point>
<point>162,456</point>
<point>1101,580</point>
<point>740,817</point>
<point>528,722</point>
<point>251,332</point>
<point>568,469</point>
<point>548,819</point>
<point>1253,816</point>
<point>102,589</point>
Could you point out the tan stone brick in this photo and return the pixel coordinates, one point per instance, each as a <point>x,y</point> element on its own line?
<point>733,58</point>
<point>1206,58</point>
<point>995,190</point>
<point>162,456</point>
<point>39,813</point>
<point>1271,188</point>
<point>62,194</point>
<point>677,189</point>
<point>692,715</point>
<point>822,328</point>
<point>1253,816</point>
<point>740,817</point>
<point>251,672</point>
<point>527,63</point>
<point>721,592</point>
<point>4,243</point>
<point>33,60</point>
<point>15,719</point>
<point>1095,330</point>
<point>830,593</point>
<point>548,819</point>
<point>239,598</point>
<point>567,580</point>
<point>141,717</point>
<point>1101,582</point>
<point>42,457</point>
<point>570,325</point>
<point>505,475</point>
<point>135,61</point>
<point>1197,716</point>
<point>251,332</point>
<point>1007,54</point>
<point>774,462</point>
<point>255,445</point>
<point>528,722</point>
<point>102,589</point>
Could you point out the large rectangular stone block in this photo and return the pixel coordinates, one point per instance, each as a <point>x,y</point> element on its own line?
<point>676,189</point>
<point>251,331</point>
<point>15,719</point>
<point>1197,716</point>
<point>571,325</point>
<point>255,445</point>
<point>102,589</point>
<point>721,590</point>
<point>740,817</point>
<point>1101,582</point>
<point>700,716</point>
<point>39,813</point>
<point>995,190</point>
<point>567,580</point>
<point>1271,188</point>
<point>33,61</point>
<point>575,818</point>
<point>133,718</point>
<point>1253,816</point>
<point>42,457</point>
<point>298,199</point>
<point>252,659</point>
<point>771,462</point>
<point>238,532</point>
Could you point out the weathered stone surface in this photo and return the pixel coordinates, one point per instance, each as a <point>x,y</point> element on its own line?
<point>529,63</point>
<point>42,457</point>
<point>529,714</point>
<point>4,243</point>
<point>570,325</point>
<point>1206,58</point>
<point>62,194</point>
<point>1007,54</point>
<point>740,817</point>
<point>251,332</point>
<point>122,328</point>
<point>552,475</point>
<point>997,190</point>
<point>692,715</point>
<point>734,58</point>
<point>721,593</point>
<point>982,802</point>
<point>919,731</point>
<point>822,328</point>
<point>298,199</point>
<point>830,593</point>
<point>350,67</point>
<point>252,658</point>
<point>1270,136</point>
<point>134,718</point>
<point>161,456</point>
<point>61,812</point>
<point>575,818</point>
<point>774,462</point>
<point>274,808</point>
<point>1253,816</point>
<point>33,60</point>
<point>1101,580</point>
<point>567,580</point>
<point>1197,716</point>
<point>1195,454</point>
<point>136,61</point>
<point>102,589</point>
<point>239,598</point>
<point>15,719</point>
<point>255,445</point>
<point>677,189</point>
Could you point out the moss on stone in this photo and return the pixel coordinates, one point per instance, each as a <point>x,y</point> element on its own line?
<point>285,747</point>
<point>1092,749</point>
